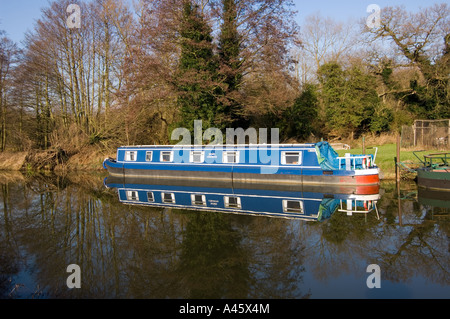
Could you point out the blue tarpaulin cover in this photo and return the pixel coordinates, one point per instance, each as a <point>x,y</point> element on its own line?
<point>327,156</point>
<point>327,208</point>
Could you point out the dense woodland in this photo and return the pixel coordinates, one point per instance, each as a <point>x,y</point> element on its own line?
<point>132,73</point>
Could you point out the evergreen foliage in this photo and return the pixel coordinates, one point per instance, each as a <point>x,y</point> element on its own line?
<point>197,77</point>
<point>300,120</point>
<point>350,99</point>
<point>229,50</point>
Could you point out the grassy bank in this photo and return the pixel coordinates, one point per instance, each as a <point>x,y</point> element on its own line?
<point>91,158</point>
<point>86,159</point>
<point>386,159</point>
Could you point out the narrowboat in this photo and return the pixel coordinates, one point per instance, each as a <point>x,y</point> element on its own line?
<point>312,164</point>
<point>290,202</point>
<point>435,172</point>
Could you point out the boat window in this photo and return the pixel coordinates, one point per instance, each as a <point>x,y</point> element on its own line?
<point>132,195</point>
<point>168,197</point>
<point>291,158</point>
<point>130,155</point>
<point>232,202</point>
<point>293,206</point>
<point>231,157</point>
<point>150,197</point>
<point>166,156</point>
<point>197,157</point>
<point>198,199</point>
<point>148,156</point>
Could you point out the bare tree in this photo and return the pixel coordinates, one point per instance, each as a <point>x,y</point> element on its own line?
<point>419,41</point>
<point>9,53</point>
<point>418,37</point>
<point>324,39</point>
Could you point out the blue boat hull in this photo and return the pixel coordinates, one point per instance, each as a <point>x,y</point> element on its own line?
<point>293,176</point>
<point>287,164</point>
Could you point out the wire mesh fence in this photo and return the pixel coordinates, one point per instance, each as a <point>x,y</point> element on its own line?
<point>427,134</point>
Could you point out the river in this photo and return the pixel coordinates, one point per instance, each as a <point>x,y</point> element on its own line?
<point>126,250</point>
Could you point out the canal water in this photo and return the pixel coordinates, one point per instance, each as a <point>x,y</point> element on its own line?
<point>128,250</point>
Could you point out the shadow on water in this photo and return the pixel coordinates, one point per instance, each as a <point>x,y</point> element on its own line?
<point>132,241</point>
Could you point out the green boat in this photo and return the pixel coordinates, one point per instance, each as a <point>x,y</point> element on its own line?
<point>435,172</point>
<point>433,197</point>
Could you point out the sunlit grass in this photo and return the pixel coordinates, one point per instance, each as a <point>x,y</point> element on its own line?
<point>386,157</point>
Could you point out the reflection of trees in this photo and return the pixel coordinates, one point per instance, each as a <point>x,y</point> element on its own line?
<point>229,256</point>
<point>336,245</point>
<point>143,252</point>
<point>416,247</point>
<point>276,259</point>
<point>213,263</point>
<point>51,222</point>
<point>417,243</point>
<point>152,238</point>
<point>419,248</point>
<point>8,252</point>
<point>341,226</point>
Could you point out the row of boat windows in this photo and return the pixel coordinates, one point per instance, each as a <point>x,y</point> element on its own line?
<point>288,158</point>
<point>289,206</point>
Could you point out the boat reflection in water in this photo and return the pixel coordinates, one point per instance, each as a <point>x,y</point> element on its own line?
<point>314,203</point>
<point>434,198</point>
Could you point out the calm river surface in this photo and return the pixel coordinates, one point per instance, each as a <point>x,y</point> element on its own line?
<point>132,251</point>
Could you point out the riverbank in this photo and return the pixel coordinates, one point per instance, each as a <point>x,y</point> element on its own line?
<point>91,159</point>
<point>57,160</point>
<point>12,161</point>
